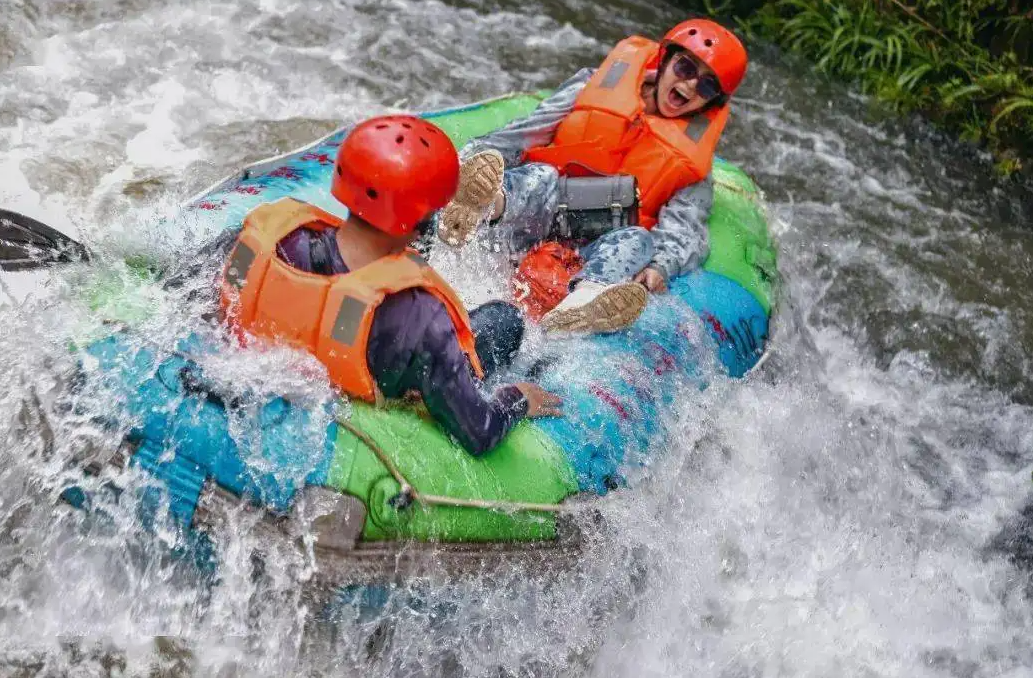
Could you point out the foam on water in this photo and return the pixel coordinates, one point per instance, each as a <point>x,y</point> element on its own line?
<point>848,513</point>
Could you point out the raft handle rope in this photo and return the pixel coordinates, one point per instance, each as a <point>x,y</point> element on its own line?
<point>760,362</point>
<point>408,494</point>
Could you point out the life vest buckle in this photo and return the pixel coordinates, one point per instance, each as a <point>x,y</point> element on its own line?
<point>616,215</point>
<point>561,221</point>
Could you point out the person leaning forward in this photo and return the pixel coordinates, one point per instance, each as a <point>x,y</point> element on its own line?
<point>356,295</point>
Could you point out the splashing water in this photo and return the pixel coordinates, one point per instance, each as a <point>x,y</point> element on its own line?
<point>854,512</point>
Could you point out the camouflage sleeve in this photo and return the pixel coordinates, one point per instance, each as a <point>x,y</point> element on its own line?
<point>680,235</point>
<point>535,129</point>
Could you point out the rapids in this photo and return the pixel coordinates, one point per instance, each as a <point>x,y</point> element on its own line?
<point>855,511</point>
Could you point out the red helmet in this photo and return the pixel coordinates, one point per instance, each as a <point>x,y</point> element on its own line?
<point>395,171</point>
<point>714,45</point>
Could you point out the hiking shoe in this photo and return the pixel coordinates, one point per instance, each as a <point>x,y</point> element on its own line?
<point>597,307</point>
<point>480,180</point>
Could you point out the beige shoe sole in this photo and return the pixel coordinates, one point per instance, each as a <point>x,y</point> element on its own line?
<point>480,180</point>
<point>614,309</point>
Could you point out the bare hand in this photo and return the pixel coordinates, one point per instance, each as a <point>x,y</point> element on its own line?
<point>540,403</point>
<point>652,279</point>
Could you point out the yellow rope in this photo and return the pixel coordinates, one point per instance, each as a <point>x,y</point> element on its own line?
<point>736,188</point>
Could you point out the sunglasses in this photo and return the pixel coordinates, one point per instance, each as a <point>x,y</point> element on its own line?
<point>685,68</point>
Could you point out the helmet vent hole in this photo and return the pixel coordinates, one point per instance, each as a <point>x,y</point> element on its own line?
<point>406,125</point>
<point>340,172</point>
<point>399,139</point>
<point>381,126</point>
<point>692,31</point>
<point>424,142</point>
<point>708,42</point>
<point>371,193</point>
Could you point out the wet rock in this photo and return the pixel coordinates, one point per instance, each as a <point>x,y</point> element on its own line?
<point>74,171</point>
<point>17,28</point>
<point>242,143</point>
<point>293,28</point>
<point>949,662</point>
<point>1015,540</point>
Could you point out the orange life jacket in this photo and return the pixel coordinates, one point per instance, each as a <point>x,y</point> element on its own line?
<point>609,132</point>
<point>330,316</point>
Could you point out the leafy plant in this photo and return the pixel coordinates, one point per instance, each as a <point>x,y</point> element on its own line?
<point>966,64</point>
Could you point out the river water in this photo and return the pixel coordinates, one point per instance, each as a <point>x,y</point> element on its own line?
<point>856,511</point>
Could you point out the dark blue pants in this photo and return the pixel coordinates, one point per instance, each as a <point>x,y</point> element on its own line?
<point>498,329</point>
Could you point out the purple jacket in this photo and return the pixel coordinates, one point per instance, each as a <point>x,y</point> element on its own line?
<point>413,347</point>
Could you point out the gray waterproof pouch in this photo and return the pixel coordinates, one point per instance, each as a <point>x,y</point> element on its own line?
<point>589,207</point>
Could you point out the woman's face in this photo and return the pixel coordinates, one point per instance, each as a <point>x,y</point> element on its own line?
<point>685,86</point>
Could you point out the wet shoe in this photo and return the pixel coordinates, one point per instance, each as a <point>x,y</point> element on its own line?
<point>597,307</point>
<point>480,180</point>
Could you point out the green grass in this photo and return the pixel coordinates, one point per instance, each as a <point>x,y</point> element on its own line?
<point>966,64</point>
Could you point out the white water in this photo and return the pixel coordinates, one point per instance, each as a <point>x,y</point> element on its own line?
<point>841,517</point>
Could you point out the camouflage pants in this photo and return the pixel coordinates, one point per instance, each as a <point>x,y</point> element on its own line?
<point>531,192</point>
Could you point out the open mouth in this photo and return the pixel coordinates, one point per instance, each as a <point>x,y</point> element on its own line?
<point>679,96</point>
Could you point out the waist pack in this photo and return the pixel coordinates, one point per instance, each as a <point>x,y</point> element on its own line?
<point>589,207</point>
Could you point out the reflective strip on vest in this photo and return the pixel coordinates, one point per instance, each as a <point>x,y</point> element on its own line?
<point>349,320</point>
<point>614,75</point>
<point>697,127</point>
<point>417,259</point>
<point>240,265</point>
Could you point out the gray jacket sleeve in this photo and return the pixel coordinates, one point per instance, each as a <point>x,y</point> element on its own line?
<point>680,235</point>
<point>535,129</point>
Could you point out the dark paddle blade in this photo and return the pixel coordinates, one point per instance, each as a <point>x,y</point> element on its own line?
<point>27,244</point>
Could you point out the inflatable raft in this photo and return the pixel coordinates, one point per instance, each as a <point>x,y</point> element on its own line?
<point>373,489</point>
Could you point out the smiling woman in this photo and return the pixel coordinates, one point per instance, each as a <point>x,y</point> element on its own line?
<point>652,113</point>
<point>702,63</point>
<point>687,85</point>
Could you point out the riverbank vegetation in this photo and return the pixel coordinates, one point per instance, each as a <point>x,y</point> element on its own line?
<point>965,64</point>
